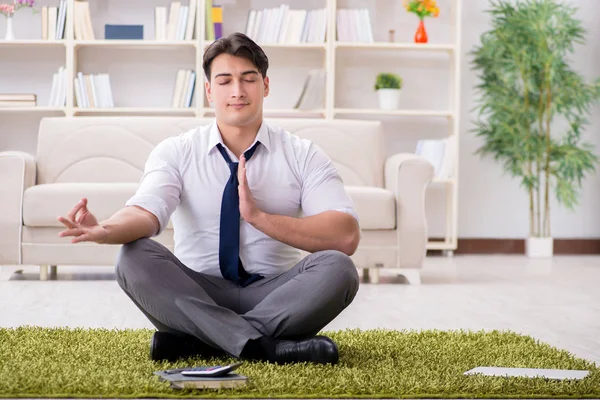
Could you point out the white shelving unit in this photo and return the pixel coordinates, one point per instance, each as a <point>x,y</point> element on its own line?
<point>328,52</point>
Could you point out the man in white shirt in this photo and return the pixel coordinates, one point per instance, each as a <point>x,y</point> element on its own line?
<point>243,197</point>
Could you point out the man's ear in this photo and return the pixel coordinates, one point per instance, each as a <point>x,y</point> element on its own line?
<point>266,86</point>
<point>207,90</point>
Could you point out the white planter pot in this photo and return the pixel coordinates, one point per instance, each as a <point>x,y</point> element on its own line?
<point>389,99</point>
<point>539,247</point>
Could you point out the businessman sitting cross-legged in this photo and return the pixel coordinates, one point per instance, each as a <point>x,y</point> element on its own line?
<point>235,191</point>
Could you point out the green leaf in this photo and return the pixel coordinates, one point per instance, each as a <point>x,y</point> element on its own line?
<point>388,81</point>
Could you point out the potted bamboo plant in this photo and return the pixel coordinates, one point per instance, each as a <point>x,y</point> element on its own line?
<point>525,87</point>
<point>388,87</point>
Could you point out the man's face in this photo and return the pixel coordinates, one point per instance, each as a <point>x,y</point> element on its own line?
<point>236,89</point>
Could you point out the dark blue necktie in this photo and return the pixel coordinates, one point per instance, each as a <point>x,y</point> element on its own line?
<point>229,237</point>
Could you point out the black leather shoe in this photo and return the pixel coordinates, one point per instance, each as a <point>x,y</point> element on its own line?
<point>319,349</point>
<point>171,347</point>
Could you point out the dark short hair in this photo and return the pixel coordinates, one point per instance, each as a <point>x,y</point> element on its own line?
<point>236,44</point>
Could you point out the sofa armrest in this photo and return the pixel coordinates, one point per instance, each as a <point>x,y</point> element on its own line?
<point>17,173</point>
<point>408,175</point>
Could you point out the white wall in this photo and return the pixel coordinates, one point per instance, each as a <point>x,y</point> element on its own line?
<point>490,203</point>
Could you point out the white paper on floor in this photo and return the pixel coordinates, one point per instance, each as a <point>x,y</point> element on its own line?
<point>529,372</point>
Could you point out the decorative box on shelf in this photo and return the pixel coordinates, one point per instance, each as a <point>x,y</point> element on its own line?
<point>123,32</point>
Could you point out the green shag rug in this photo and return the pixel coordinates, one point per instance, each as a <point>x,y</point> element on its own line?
<point>101,363</point>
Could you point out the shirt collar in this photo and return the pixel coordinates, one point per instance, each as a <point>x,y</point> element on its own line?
<point>215,136</point>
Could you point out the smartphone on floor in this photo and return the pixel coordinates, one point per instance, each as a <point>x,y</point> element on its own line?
<point>210,371</point>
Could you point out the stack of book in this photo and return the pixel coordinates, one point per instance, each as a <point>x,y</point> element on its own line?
<point>18,100</point>
<point>183,94</point>
<point>179,381</point>
<point>93,91</point>
<point>282,25</point>
<point>354,25</point>
<point>58,95</point>
<point>180,22</point>
<point>53,21</point>
<point>83,21</point>
<point>313,91</point>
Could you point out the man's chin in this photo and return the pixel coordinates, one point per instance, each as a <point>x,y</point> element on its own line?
<point>237,118</point>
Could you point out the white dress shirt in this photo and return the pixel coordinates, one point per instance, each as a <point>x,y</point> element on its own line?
<point>185,175</point>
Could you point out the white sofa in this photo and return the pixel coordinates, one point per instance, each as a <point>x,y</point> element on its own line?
<point>102,158</point>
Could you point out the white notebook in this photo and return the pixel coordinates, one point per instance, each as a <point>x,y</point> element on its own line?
<point>529,372</point>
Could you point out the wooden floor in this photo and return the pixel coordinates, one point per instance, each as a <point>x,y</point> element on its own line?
<point>556,300</point>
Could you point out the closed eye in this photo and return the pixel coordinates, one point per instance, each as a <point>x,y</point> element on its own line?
<point>245,80</point>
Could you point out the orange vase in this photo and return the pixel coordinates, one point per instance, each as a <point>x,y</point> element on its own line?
<point>421,34</point>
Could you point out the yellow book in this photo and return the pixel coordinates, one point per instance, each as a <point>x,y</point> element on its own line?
<point>217,14</point>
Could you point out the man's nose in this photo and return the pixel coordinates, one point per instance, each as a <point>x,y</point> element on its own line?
<point>238,90</point>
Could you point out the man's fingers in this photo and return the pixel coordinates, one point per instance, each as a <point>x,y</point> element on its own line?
<point>81,215</point>
<point>66,222</point>
<point>81,238</point>
<point>73,213</point>
<point>243,177</point>
<point>83,210</point>
<point>71,232</point>
<point>241,167</point>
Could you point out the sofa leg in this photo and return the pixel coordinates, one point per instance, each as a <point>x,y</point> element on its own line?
<point>413,276</point>
<point>53,270</point>
<point>43,272</point>
<point>374,275</point>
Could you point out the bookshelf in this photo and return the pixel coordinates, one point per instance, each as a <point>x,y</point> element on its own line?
<point>333,56</point>
<point>150,44</point>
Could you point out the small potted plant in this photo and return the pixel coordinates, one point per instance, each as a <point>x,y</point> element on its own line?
<point>388,87</point>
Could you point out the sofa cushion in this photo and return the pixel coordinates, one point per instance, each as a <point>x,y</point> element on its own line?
<point>114,149</point>
<point>376,207</point>
<point>42,204</point>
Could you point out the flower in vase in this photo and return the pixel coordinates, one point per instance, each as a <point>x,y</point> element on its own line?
<point>422,8</point>
<point>8,10</point>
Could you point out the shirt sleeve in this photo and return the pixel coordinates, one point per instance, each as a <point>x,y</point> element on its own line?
<point>160,187</point>
<point>322,187</point>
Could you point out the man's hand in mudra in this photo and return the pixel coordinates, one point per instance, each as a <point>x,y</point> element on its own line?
<point>82,225</point>
<point>249,211</point>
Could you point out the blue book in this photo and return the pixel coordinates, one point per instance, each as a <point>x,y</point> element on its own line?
<point>124,32</point>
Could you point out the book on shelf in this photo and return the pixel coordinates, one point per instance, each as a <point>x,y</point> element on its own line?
<point>53,21</point>
<point>312,96</point>
<point>217,21</point>
<point>58,93</point>
<point>354,25</point>
<point>179,24</point>
<point>183,93</point>
<point>82,18</point>
<point>18,100</point>
<point>93,91</point>
<point>160,23</point>
<point>440,153</point>
<point>180,381</point>
<point>286,26</point>
<point>123,32</point>
<point>213,20</point>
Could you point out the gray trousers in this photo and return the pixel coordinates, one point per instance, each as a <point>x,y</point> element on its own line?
<point>295,304</point>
